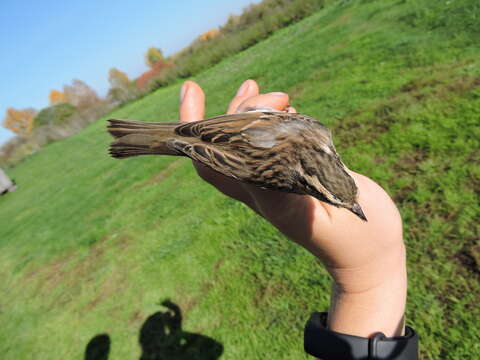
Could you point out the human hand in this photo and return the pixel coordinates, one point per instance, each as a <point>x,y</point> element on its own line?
<point>366,259</point>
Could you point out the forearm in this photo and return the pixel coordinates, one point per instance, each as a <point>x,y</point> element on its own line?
<point>378,308</point>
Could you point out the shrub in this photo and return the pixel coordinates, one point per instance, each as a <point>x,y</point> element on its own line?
<point>54,115</point>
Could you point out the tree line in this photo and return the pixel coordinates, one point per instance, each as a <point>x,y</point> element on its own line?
<point>77,104</point>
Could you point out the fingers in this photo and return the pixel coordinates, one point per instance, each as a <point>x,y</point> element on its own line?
<point>248,96</point>
<point>192,102</point>
<point>291,110</point>
<point>248,89</point>
<point>192,108</point>
<point>274,100</point>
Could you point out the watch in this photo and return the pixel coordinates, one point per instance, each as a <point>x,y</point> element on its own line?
<point>330,345</point>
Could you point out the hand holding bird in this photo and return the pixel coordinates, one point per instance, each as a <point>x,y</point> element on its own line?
<point>365,259</point>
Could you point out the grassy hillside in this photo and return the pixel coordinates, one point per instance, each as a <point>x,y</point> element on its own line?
<point>92,245</point>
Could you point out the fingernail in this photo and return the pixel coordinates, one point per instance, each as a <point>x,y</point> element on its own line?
<point>277,93</point>
<point>183,92</point>
<point>244,88</point>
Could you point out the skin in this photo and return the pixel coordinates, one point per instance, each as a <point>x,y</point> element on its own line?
<point>365,259</point>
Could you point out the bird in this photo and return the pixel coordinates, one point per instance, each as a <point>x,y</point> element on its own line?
<point>271,149</point>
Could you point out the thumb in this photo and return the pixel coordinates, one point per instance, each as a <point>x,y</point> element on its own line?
<point>192,102</point>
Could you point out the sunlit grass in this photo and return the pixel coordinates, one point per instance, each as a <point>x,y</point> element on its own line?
<point>92,245</point>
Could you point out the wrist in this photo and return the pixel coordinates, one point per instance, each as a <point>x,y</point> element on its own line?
<point>365,310</point>
<point>364,314</point>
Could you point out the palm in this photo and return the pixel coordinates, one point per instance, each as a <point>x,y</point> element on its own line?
<point>343,242</point>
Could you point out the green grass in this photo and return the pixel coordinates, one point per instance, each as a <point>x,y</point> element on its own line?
<point>93,245</point>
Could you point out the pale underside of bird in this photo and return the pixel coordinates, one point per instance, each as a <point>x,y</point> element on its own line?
<point>270,149</point>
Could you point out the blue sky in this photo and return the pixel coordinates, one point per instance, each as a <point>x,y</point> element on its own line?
<point>46,44</point>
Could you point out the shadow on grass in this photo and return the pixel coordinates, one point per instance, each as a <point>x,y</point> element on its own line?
<point>98,348</point>
<point>162,338</point>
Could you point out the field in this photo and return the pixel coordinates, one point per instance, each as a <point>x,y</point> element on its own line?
<point>91,245</point>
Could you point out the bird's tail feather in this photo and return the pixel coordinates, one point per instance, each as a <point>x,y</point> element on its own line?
<point>133,138</point>
<point>118,128</point>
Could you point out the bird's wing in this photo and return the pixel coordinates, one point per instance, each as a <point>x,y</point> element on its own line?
<point>230,128</point>
<point>217,142</point>
<point>229,163</point>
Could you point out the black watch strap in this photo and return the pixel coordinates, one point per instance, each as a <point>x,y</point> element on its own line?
<point>326,344</point>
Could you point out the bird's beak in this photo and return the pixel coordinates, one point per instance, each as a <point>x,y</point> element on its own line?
<point>357,210</point>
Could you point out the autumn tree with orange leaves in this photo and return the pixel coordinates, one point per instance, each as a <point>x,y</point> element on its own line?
<point>20,121</point>
<point>209,35</point>
<point>56,97</point>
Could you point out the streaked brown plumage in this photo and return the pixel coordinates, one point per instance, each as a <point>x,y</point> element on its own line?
<point>270,149</point>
